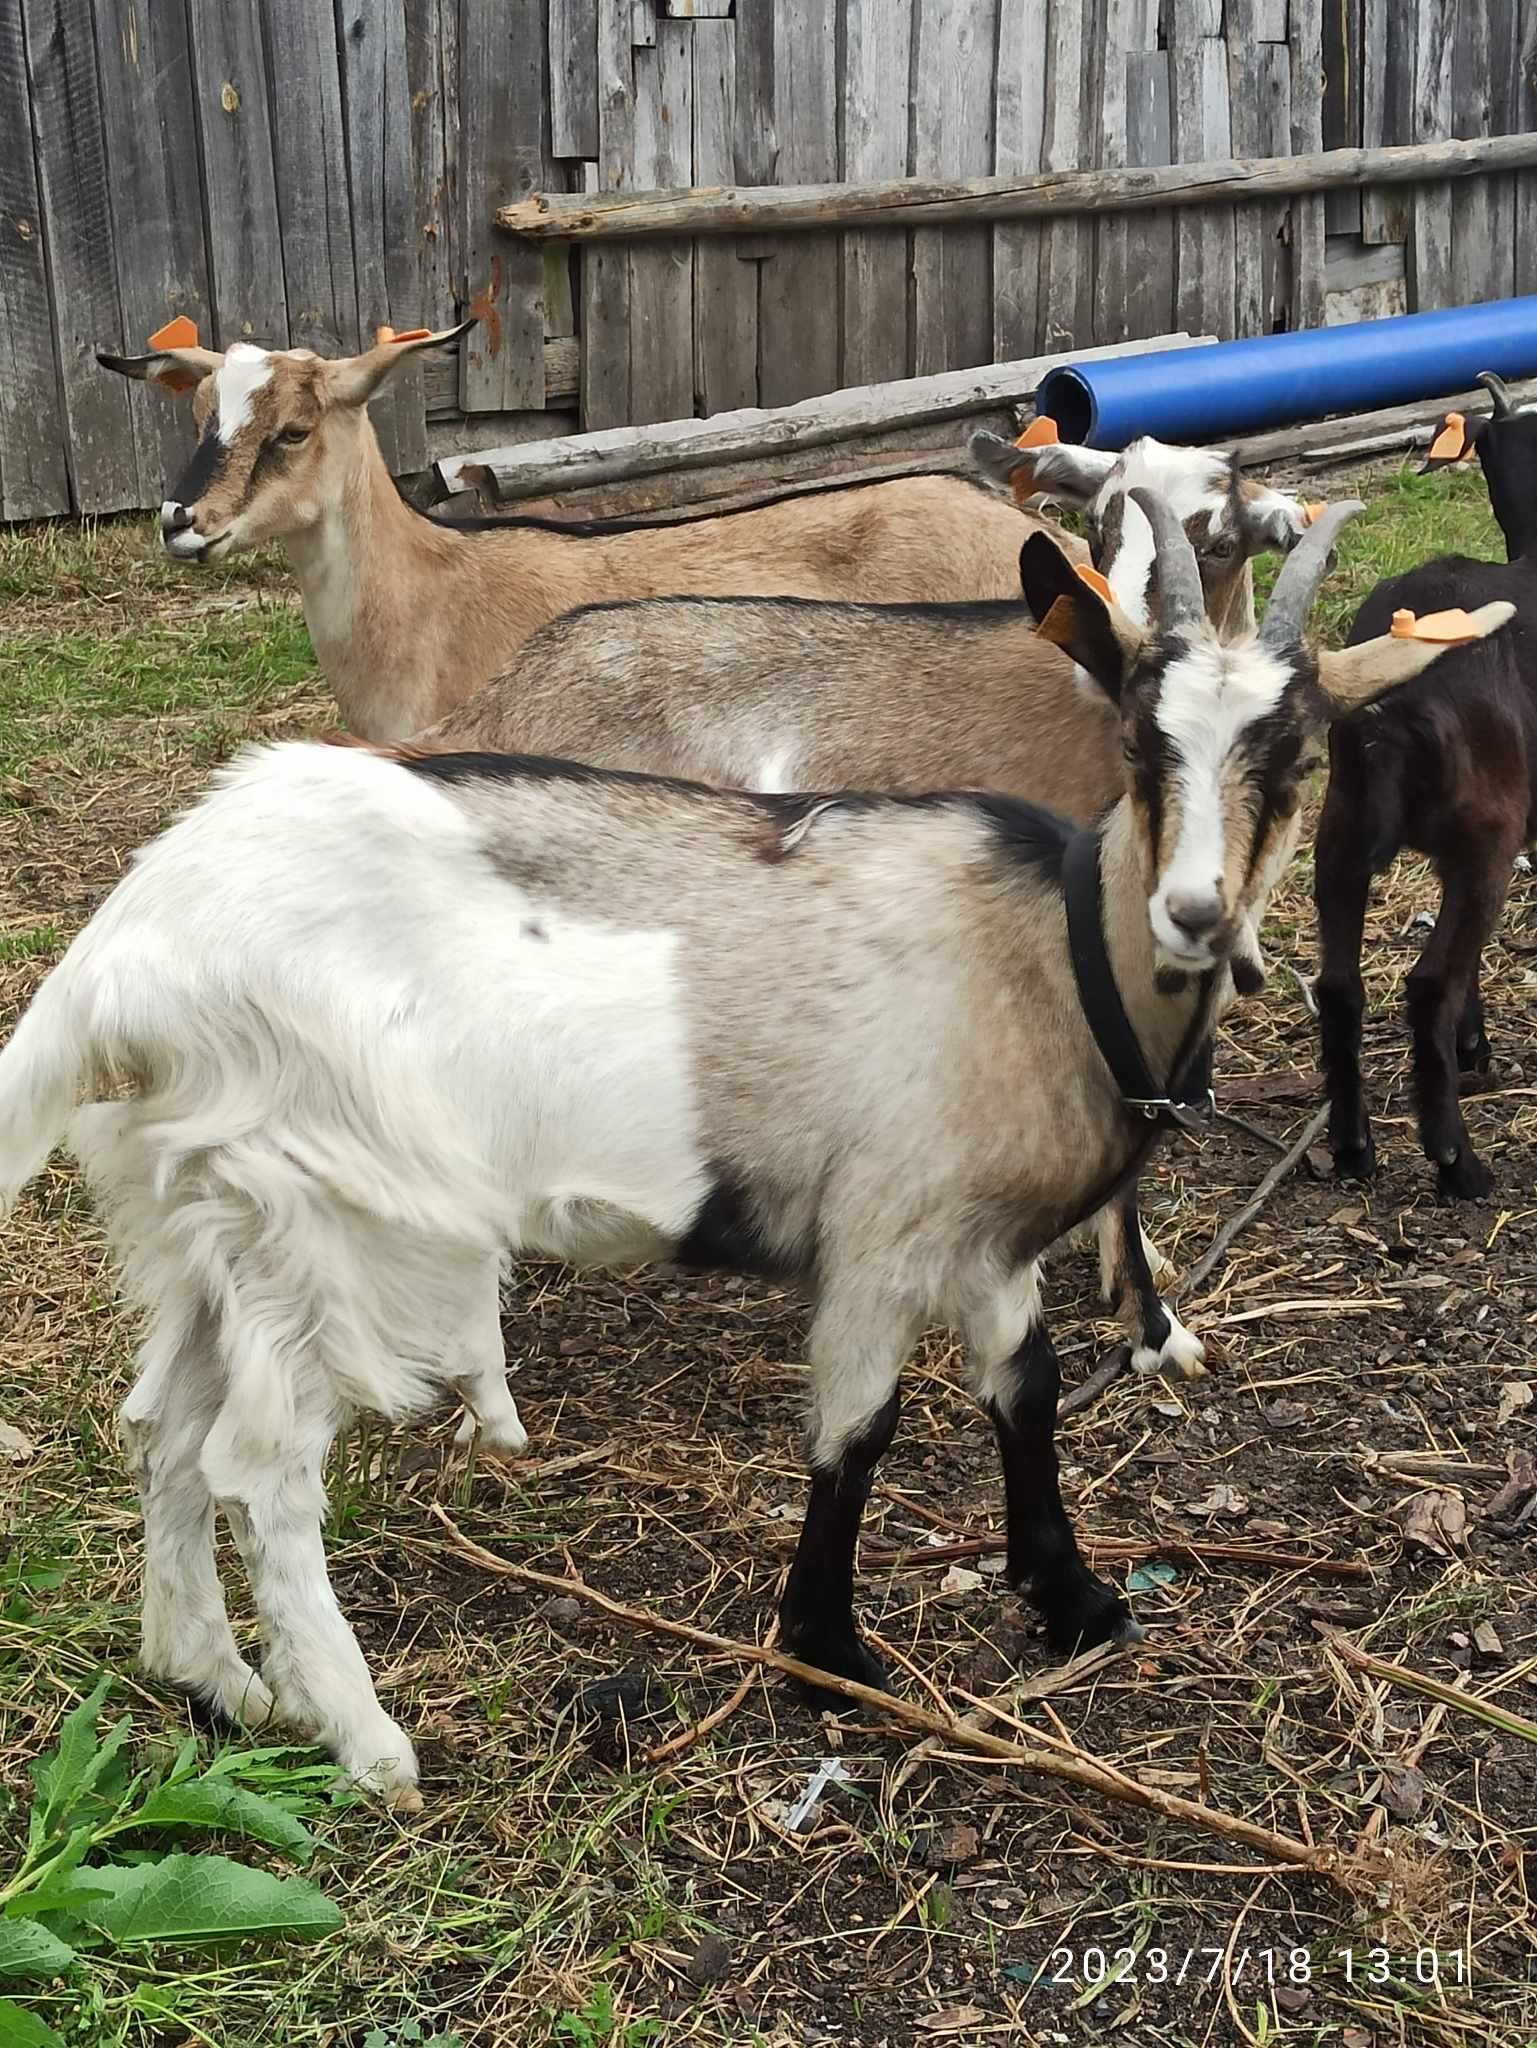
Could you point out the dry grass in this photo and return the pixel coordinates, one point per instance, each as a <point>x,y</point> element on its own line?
<point>560,1886</point>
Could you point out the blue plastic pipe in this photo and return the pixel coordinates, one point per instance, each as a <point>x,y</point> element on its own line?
<point>1274,380</point>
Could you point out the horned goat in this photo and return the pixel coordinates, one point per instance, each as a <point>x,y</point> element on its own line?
<point>357,1025</point>
<point>409,615</point>
<point>1449,769</point>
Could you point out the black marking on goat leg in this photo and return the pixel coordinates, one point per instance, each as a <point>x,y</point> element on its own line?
<point>726,1236</point>
<point>1135,1278</point>
<point>1043,1557</point>
<point>816,1614</point>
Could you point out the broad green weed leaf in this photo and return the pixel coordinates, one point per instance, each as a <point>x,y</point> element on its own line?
<point>202,1898</point>
<point>59,1775</point>
<point>27,1950</point>
<point>22,2029</point>
<point>216,1803</point>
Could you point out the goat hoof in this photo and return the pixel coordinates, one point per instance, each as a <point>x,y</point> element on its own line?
<point>1463,1179</point>
<point>1087,1613</point>
<point>1355,1162</point>
<point>844,1657</point>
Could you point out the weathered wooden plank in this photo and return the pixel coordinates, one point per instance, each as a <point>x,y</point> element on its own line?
<point>643,24</point>
<point>725,288</point>
<point>432,63</point>
<point>877,54</point>
<point>1259,83</point>
<point>1063,278</point>
<point>1019,127</point>
<point>798,283</point>
<point>1353,264</point>
<point>147,99</point>
<point>605,291</point>
<point>1150,242</point>
<point>1363,433</point>
<point>310,160</point>
<point>376,96</point>
<point>503,126</point>
<point>1430,232</point>
<point>1504,96</point>
<point>662,277</point>
<point>562,381</point>
<point>1307,214</point>
<point>574,78</point>
<point>953,137</point>
<point>625,452</point>
<point>245,241</point>
<point>1525,112</point>
<point>82,265</point>
<point>698,10</point>
<point>1342,109</point>
<point>1270,21</point>
<point>34,473</point>
<point>1387,88</point>
<point>1131,28</point>
<point>782,209</point>
<point>1202,132</point>
<point>1483,259</point>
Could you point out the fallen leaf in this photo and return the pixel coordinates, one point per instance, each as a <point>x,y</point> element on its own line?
<point>1436,1521</point>
<point>1357,2037</point>
<point>1351,1214</point>
<point>951,2018</point>
<point>1514,1396</point>
<point>956,1845</point>
<point>1274,1532</point>
<point>1403,1791</point>
<point>1293,1997</point>
<point>15,1448</point>
<point>959,1580</point>
<point>1520,1486</point>
<point>1486,1641</point>
<point>1223,1500</point>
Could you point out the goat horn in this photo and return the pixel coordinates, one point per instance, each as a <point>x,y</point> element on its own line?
<point>1304,569</point>
<point>1504,405</point>
<point>1182,601</point>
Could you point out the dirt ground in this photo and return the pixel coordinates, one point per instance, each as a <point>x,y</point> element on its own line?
<point>1353,1481</point>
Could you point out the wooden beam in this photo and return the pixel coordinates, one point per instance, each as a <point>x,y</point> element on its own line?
<point>920,202</point>
<point>621,453</point>
<point>1366,433</point>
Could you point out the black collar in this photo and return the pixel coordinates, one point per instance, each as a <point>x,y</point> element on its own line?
<point>1187,1102</point>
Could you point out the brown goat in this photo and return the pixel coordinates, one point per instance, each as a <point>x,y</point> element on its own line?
<point>410,615</point>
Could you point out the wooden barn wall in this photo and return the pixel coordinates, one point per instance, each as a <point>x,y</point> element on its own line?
<point>298,172</point>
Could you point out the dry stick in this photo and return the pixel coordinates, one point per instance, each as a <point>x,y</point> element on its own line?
<point>1091,1773</point>
<point>1434,1688</point>
<point>1246,1215</point>
<point>1100,1547</point>
<point>1105,1374</point>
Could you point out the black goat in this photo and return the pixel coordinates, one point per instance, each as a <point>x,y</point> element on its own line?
<point>1447,766</point>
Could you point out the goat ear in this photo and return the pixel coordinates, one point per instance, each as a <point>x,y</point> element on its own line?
<point>1070,473</point>
<point>1272,519</point>
<point>1353,676</point>
<point>1075,611</point>
<point>353,380</point>
<point>173,369</point>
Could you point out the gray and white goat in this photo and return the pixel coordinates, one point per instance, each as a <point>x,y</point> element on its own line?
<point>358,1025</point>
<point>778,695</point>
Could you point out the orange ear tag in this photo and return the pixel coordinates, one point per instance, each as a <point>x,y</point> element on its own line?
<point>1448,629</point>
<point>383,334</point>
<point>1451,444</point>
<point>1100,585</point>
<point>1315,509</point>
<point>178,333</point>
<point>1041,433</point>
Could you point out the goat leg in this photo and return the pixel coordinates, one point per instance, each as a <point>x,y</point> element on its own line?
<point>1160,1341</point>
<point>1342,880</point>
<point>1472,896</point>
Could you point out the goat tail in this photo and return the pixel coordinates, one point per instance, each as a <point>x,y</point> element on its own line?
<point>41,1070</point>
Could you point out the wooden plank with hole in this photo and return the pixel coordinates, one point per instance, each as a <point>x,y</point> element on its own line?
<point>662,273</point>
<point>34,469</point>
<point>1387,92</point>
<point>605,273</point>
<point>953,137</point>
<point>1431,282</point>
<point>1150,264</point>
<point>725,288</point>
<point>877,54</point>
<point>503,124</point>
<point>574,78</point>
<point>1062,246</point>
<point>798,278</point>
<point>432,66</point>
<point>1308,287</point>
<point>1019,130</point>
<point>82,262</point>
<point>310,160</point>
<point>245,238</point>
<point>147,99</point>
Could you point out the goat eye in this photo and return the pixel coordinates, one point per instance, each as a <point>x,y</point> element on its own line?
<point>293,437</point>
